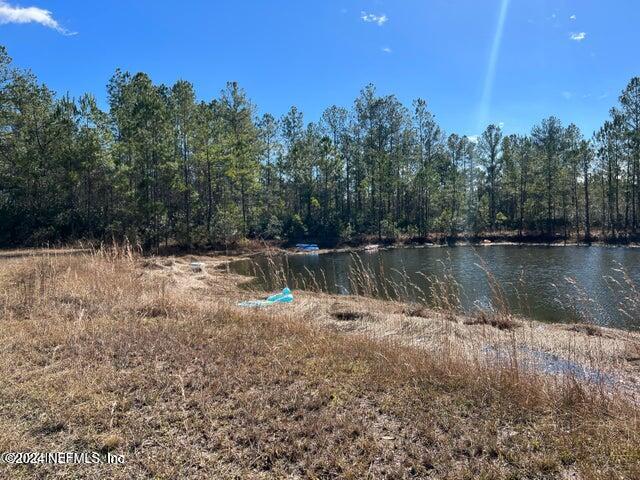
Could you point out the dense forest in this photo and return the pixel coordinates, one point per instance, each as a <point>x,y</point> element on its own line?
<point>160,167</point>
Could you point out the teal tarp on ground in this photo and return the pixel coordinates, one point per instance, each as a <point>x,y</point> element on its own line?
<point>283,297</point>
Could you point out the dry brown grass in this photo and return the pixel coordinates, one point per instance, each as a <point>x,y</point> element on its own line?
<point>501,322</point>
<point>99,353</point>
<point>587,328</point>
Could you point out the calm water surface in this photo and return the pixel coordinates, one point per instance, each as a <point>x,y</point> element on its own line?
<point>551,284</point>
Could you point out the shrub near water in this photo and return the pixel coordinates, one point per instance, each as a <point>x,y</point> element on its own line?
<point>98,356</point>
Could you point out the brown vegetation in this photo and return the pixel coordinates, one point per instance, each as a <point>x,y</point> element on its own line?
<point>158,364</point>
<point>502,322</point>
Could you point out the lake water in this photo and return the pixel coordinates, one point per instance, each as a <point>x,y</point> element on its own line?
<point>552,284</point>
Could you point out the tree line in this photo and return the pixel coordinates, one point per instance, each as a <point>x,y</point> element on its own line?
<point>160,167</point>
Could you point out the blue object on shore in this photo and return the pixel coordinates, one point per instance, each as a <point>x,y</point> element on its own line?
<point>283,297</point>
<point>307,247</point>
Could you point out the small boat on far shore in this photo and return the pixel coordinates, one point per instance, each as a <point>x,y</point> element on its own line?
<point>371,248</point>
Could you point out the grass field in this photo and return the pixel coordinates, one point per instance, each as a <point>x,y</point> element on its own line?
<point>141,357</point>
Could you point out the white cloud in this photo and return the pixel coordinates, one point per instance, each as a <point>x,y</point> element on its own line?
<point>572,17</point>
<point>372,18</point>
<point>501,125</point>
<point>473,138</point>
<point>386,50</point>
<point>578,37</point>
<point>15,14</point>
<point>567,95</point>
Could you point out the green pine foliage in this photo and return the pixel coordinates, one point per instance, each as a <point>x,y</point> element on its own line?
<point>161,167</point>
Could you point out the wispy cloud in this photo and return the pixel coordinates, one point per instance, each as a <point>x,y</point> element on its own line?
<point>578,37</point>
<point>572,17</point>
<point>567,95</point>
<point>373,18</point>
<point>386,50</point>
<point>15,14</point>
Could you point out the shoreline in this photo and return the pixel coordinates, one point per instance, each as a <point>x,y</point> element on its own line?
<point>583,350</point>
<point>595,355</point>
<point>354,244</point>
<point>249,250</point>
<point>256,248</point>
<point>362,248</point>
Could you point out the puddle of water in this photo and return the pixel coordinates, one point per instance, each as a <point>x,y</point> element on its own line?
<point>531,359</point>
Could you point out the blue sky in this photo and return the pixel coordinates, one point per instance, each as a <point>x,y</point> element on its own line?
<point>570,58</point>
